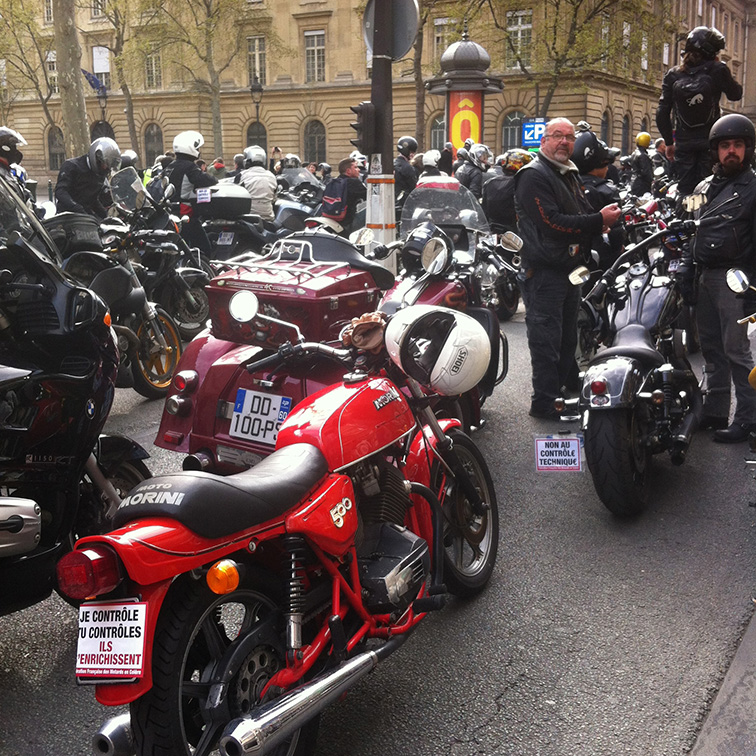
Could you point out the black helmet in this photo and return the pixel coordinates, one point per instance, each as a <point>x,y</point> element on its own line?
<point>9,142</point>
<point>733,126</point>
<point>589,152</point>
<point>406,145</point>
<point>704,40</point>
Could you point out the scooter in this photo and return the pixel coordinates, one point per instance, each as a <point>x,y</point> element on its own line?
<point>229,612</point>
<point>60,478</point>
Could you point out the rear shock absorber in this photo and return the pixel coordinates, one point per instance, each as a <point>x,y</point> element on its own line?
<point>668,389</point>
<point>297,551</point>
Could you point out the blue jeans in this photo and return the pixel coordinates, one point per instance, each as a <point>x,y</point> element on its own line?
<point>551,310</point>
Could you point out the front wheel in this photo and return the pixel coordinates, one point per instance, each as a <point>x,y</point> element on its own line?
<point>190,310</point>
<point>154,364</point>
<point>618,459</point>
<point>508,293</point>
<point>471,541</point>
<point>205,643</point>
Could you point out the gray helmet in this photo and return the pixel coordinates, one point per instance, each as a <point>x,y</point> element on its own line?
<point>104,156</point>
<point>254,155</point>
<point>480,156</point>
<point>462,154</point>
<point>129,158</point>
<point>292,161</point>
<point>9,141</point>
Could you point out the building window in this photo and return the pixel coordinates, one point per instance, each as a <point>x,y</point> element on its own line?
<point>736,40</point>
<point>256,59</point>
<point>626,135</point>
<point>153,69</point>
<point>442,28</point>
<point>644,53</point>
<point>314,142</point>
<point>101,129</point>
<point>56,149</point>
<point>511,130</point>
<point>153,144</point>
<point>314,56</point>
<point>700,9</point>
<point>606,121</point>
<point>519,35</point>
<point>713,16</point>
<point>626,31</point>
<point>101,65</point>
<point>52,71</point>
<point>606,39</point>
<point>665,54</point>
<point>98,8</point>
<point>256,134</point>
<point>48,11</point>
<point>438,133</point>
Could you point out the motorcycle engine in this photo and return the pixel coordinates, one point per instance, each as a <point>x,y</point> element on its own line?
<point>394,562</point>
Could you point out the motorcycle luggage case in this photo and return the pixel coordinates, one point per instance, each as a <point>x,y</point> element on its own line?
<point>321,298</point>
<point>226,201</point>
<point>74,232</point>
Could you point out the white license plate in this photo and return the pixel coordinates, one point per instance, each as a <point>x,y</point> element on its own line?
<point>226,237</point>
<point>258,416</point>
<point>111,641</point>
<point>673,265</point>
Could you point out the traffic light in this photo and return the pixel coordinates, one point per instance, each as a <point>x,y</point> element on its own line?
<point>365,127</point>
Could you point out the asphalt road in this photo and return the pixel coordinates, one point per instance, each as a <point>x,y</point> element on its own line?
<point>596,637</point>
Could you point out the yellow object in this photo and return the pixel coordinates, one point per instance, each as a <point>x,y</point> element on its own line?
<point>752,378</point>
<point>643,139</point>
<point>223,577</point>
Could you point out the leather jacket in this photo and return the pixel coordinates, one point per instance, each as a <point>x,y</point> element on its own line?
<point>79,189</point>
<point>554,218</point>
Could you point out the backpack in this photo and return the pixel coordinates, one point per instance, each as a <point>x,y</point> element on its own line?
<point>335,199</point>
<point>695,98</point>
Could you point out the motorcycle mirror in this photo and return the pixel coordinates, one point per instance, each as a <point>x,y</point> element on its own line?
<point>435,256</point>
<point>362,237</point>
<point>243,306</point>
<point>579,275</point>
<point>510,241</point>
<point>737,280</point>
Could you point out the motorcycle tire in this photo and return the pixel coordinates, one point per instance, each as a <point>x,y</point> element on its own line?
<point>152,366</point>
<point>618,460</point>
<point>509,299</point>
<point>471,541</point>
<point>194,639</point>
<point>189,318</point>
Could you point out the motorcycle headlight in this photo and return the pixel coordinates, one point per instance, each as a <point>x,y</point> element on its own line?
<point>489,274</point>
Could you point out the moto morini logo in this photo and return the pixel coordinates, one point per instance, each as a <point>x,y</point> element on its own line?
<point>154,493</point>
<point>459,361</point>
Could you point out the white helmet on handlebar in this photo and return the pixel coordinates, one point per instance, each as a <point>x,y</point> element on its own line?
<point>443,349</point>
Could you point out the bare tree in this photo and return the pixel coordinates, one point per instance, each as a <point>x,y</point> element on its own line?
<point>73,107</point>
<point>574,36</point>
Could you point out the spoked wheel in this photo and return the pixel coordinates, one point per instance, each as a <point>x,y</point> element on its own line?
<point>203,641</point>
<point>509,297</point>
<point>587,343</point>
<point>190,316</point>
<point>618,459</point>
<point>153,365</point>
<point>470,541</point>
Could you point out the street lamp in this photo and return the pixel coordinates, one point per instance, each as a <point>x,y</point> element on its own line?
<point>256,91</point>
<point>102,98</point>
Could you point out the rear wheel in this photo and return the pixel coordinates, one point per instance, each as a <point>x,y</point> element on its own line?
<point>618,459</point>
<point>471,541</point>
<point>205,643</point>
<point>190,314</point>
<point>153,365</point>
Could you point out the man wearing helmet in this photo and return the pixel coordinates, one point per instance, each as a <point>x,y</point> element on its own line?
<point>556,225</point>
<point>446,161</point>
<point>10,160</point>
<point>186,176</point>
<point>259,182</point>
<point>405,178</point>
<point>642,167</point>
<point>692,91</point>
<point>81,180</point>
<point>470,174</point>
<point>498,191</point>
<point>726,238</point>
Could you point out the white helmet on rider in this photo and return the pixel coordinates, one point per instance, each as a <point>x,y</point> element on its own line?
<point>360,159</point>
<point>255,155</point>
<point>480,156</point>
<point>104,156</point>
<point>188,143</point>
<point>443,349</point>
<point>431,157</point>
<point>291,160</point>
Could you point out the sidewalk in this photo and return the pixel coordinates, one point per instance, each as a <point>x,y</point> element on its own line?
<point>730,728</point>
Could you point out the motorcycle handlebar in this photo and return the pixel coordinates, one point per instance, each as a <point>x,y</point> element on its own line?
<point>288,350</point>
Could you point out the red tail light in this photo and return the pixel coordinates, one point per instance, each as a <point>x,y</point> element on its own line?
<point>89,572</point>
<point>598,387</point>
<point>186,381</point>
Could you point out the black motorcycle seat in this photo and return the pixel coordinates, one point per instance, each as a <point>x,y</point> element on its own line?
<point>632,341</point>
<point>214,506</point>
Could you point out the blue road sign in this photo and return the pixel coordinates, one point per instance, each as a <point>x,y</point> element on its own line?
<point>532,131</point>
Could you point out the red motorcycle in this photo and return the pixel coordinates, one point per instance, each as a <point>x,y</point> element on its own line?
<point>230,611</point>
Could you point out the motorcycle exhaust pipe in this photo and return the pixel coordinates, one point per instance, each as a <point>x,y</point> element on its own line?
<point>198,462</point>
<point>114,738</point>
<point>278,720</point>
<point>688,427</point>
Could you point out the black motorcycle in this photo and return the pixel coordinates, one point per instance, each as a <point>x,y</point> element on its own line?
<point>173,274</point>
<point>59,477</point>
<point>639,396</point>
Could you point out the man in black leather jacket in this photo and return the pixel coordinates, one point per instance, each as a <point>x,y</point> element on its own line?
<point>725,239</point>
<point>556,225</point>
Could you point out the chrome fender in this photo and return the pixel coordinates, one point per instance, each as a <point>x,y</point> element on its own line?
<point>624,378</point>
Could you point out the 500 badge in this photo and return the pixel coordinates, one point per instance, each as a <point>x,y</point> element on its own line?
<point>339,511</point>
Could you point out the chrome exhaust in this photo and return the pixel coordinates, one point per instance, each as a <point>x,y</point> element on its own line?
<point>200,461</point>
<point>274,722</point>
<point>114,738</point>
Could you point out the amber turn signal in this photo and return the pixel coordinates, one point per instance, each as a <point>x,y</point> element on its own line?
<point>223,577</point>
